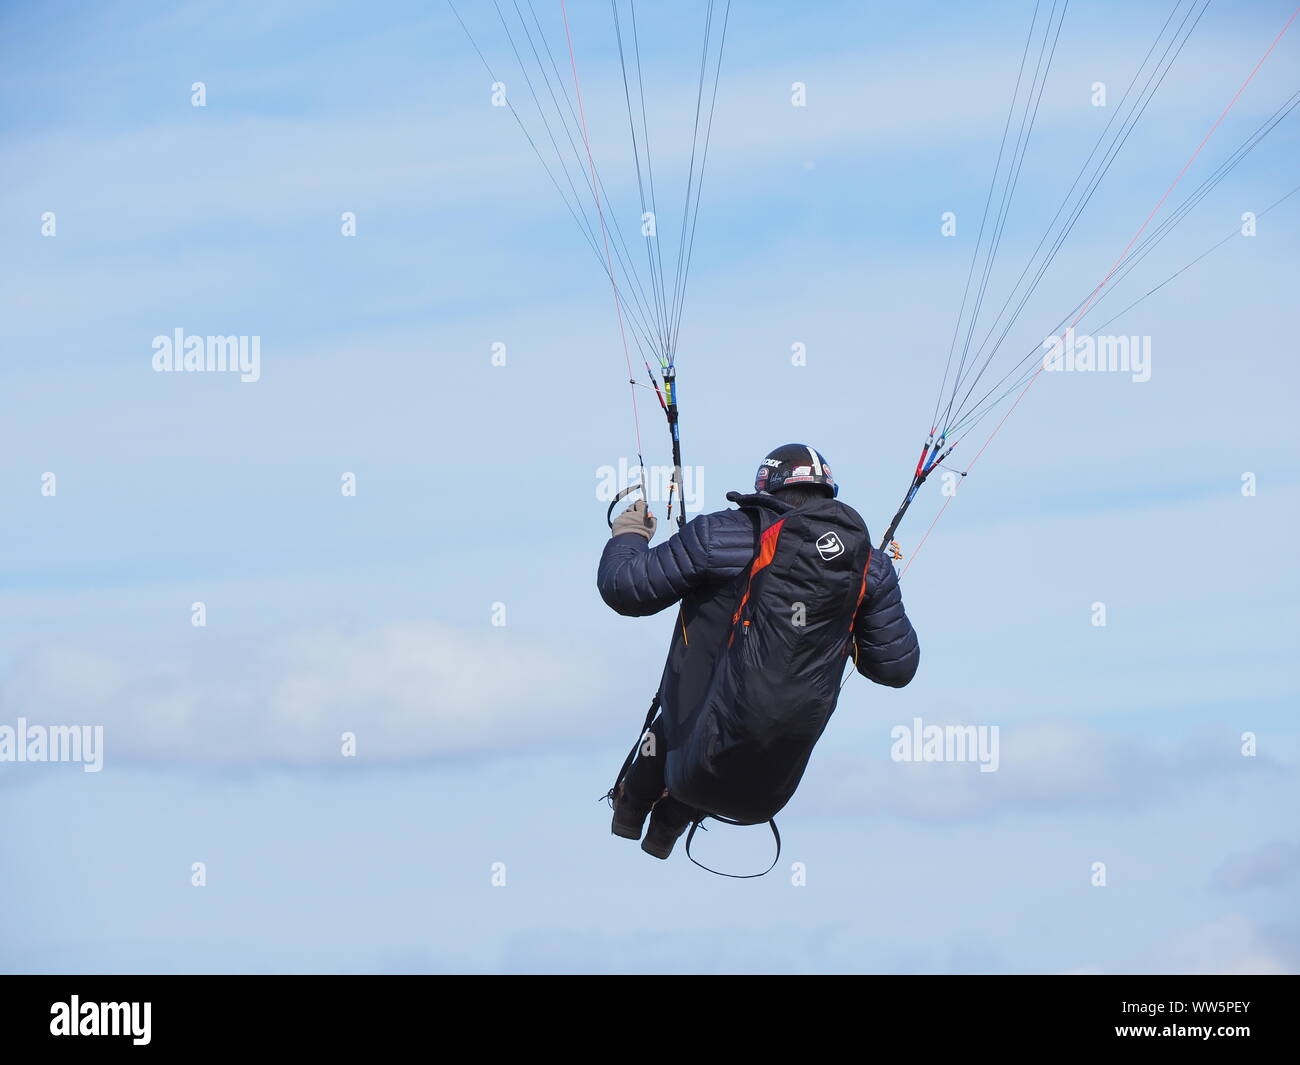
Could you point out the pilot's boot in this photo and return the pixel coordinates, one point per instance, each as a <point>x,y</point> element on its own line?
<point>629,814</point>
<point>668,822</point>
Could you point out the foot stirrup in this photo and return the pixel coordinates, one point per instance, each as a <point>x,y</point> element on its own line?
<point>776,835</point>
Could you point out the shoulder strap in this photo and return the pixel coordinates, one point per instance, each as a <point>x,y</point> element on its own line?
<point>776,835</point>
<point>766,552</point>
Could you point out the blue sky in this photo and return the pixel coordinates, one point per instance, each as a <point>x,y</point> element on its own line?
<point>481,744</point>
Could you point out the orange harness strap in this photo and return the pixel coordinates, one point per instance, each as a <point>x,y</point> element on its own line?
<point>862,592</point>
<point>766,552</point>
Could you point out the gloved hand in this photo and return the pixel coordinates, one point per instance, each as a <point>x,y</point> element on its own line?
<point>636,519</point>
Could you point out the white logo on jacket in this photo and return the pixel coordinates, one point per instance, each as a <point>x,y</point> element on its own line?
<point>829,546</point>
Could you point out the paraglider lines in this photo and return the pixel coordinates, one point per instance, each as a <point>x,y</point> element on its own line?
<point>1092,297</point>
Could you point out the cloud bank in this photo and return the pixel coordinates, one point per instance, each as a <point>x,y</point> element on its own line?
<point>407,690</point>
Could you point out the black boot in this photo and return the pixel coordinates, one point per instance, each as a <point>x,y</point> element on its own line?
<point>663,833</point>
<point>629,814</point>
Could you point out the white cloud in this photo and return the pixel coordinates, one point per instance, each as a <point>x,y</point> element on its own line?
<point>1232,945</point>
<point>1044,765</point>
<point>408,690</point>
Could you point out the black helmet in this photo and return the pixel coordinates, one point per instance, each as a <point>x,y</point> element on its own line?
<point>794,464</point>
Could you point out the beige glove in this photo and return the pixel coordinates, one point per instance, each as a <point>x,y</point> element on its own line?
<point>636,519</point>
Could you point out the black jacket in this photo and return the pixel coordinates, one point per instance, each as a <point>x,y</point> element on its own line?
<point>698,568</point>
